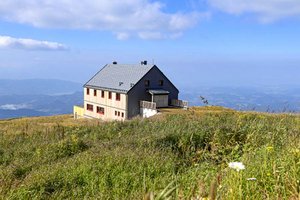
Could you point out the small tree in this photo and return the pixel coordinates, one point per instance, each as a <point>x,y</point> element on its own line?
<point>204,100</point>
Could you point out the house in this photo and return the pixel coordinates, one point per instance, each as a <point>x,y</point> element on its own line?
<point>116,91</point>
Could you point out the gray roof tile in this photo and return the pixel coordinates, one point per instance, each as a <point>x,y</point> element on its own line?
<point>118,77</point>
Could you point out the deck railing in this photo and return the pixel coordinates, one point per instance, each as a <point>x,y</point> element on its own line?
<point>179,103</point>
<point>148,104</point>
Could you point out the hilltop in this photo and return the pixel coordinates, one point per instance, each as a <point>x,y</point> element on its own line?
<point>178,154</point>
<point>48,97</point>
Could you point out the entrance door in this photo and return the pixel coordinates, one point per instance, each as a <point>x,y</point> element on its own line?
<point>161,100</point>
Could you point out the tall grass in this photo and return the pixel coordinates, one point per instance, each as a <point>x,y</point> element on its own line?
<point>178,156</point>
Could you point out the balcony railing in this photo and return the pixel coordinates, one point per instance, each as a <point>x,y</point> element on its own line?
<point>148,104</point>
<point>179,103</point>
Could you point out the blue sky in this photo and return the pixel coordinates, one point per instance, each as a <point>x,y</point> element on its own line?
<point>195,42</point>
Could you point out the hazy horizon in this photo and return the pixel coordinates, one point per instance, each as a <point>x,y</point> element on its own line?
<point>194,42</point>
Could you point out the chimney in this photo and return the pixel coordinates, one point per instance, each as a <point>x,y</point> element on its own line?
<point>115,62</point>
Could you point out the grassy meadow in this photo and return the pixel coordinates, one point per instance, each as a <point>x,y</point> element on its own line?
<point>176,155</point>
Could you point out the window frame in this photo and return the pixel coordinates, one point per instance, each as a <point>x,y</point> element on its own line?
<point>102,94</point>
<point>147,83</point>
<point>100,110</point>
<point>95,93</point>
<point>161,82</point>
<point>109,95</point>
<point>90,107</point>
<point>118,97</point>
<point>87,91</point>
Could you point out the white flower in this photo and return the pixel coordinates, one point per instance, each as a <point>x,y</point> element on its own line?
<point>236,165</point>
<point>251,179</point>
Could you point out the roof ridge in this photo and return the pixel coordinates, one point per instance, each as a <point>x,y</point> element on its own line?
<point>139,64</point>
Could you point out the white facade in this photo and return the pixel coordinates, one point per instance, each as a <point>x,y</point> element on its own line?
<point>105,105</point>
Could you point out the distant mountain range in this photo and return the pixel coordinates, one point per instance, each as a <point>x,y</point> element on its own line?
<point>265,99</point>
<point>38,86</point>
<point>38,97</point>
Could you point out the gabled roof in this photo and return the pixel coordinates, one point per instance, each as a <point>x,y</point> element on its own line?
<point>118,77</point>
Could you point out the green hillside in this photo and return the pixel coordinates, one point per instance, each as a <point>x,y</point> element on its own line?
<point>178,154</point>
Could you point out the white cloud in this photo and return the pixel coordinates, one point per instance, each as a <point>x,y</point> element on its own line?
<point>158,35</point>
<point>122,36</point>
<point>22,43</point>
<point>151,35</point>
<point>14,106</point>
<point>265,10</point>
<point>126,18</point>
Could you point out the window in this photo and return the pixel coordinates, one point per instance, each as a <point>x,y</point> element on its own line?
<point>118,96</point>
<point>161,82</point>
<point>122,114</point>
<point>109,95</point>
<point>100,110</point>
<point>89,107</point>
<point>116,113</point>
<point>95,93</point>
<point>88,91</point>
<point>102,94</point>
<point>147,83</point>
<point>119,113</point>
